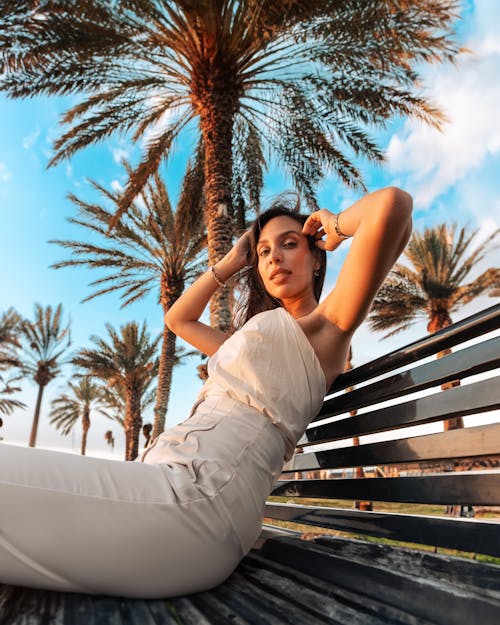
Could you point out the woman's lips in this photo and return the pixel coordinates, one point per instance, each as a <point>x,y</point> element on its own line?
<point>280,276</point>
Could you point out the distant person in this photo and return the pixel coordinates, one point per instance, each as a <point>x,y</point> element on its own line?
<point>180,518</point>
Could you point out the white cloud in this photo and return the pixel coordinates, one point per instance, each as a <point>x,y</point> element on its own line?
<point>117,186</point>
<point>5,174</point>
<point>29,140</point>
<point>119,154</point>
<point>469,94</point>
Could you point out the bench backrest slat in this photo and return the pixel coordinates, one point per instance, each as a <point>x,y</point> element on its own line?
<point>482,396</point>
<point>473,488</point>
<point>457,365</point>
<point>476,442</point>
<point>472,327</point>
<point>450,533</point>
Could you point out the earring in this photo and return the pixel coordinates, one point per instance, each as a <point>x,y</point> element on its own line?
<point>316,273</point>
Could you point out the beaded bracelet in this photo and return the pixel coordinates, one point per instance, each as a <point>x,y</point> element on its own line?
<point>217,277</point>
<point>337,227</point>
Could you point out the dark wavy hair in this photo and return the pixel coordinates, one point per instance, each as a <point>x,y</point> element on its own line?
<point>254,297</point>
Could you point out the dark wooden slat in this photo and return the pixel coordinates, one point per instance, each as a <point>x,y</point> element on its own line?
<point>187,612</point>
<point>469,574</point>
<point>279,611</point>
<point>322,602</point>
<point>473,442</point>
<point>456,366</point>
<point>366,610</point>
<point>161,613</point>
<point>217,611</point>
<point>441,604</point>
<point>482,396</point>
<point>134,611</point>
<point>477,488</point>
<point>79,608</point>
<point>463,534</point>
<point>461,331</point>
<point>238,595</point>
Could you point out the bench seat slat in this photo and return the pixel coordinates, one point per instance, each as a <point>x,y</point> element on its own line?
<point>477,489</point>
<point>463,534</point>
<point>458,365</point>
<point>422,597</point>
<point>293,588</point>
<point>482,396</point>
<point>474,442</point>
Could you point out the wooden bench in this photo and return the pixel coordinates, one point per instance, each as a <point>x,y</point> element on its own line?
<point>341,579</point>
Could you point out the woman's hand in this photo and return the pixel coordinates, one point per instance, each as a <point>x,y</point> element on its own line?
<point>320,224</point>
<point>241,250</point>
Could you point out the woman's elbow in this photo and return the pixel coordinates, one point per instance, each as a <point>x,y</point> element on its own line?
<point>169,321</point>
<point>398,203</point>
<point>394,210</point>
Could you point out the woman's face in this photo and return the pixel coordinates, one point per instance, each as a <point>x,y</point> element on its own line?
<point>286,264</point>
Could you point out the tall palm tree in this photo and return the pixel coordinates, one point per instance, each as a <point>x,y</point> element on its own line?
<point>68,408</point>
<point>152,248</point>
<point>127,363</point>
<point>301,80</point>
<point>114,407</point>
<point>434,284</point>
<point>44,341</point>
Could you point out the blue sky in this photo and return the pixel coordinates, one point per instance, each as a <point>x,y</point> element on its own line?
<point>452,175</point>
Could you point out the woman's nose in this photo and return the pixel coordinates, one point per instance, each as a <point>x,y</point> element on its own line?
<point>275,255</point>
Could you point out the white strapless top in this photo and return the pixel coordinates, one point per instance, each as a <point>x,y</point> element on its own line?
<point>270,365</point>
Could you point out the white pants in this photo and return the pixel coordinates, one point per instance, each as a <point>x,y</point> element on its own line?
<point>89,525</point>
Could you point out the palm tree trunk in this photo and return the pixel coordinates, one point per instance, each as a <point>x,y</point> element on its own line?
<point>167,358</point>
<point>216,121</point>
<point>85,429</point>
<point>169,293</point>
<point>36,416</point>
<point>133,420</point>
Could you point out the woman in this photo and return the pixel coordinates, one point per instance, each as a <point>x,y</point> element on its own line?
<point>179,520</point>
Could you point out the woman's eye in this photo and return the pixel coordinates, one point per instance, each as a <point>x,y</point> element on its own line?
<point>263,251</point>
<point>289,244</point>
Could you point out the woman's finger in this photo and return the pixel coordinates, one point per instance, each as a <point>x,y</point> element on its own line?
<point>312,223</point>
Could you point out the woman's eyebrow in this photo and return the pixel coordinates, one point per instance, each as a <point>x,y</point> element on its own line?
<point>281,234</point>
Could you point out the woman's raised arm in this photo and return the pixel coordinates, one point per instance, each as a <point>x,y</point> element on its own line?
<point>380,223</point>
<point>183,316</point>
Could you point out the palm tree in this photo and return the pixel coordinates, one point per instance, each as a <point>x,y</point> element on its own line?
<point>434,285</point>
<point>9,339</point>
<point>110,439</point>
<point>114,407</point>
<point>152,248</point>
<point>301,80</point>
<point>9,346</point>
<point>44,340</point>
<point>68,408</point>
<point>127,363</point>
<point>7,387</point>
